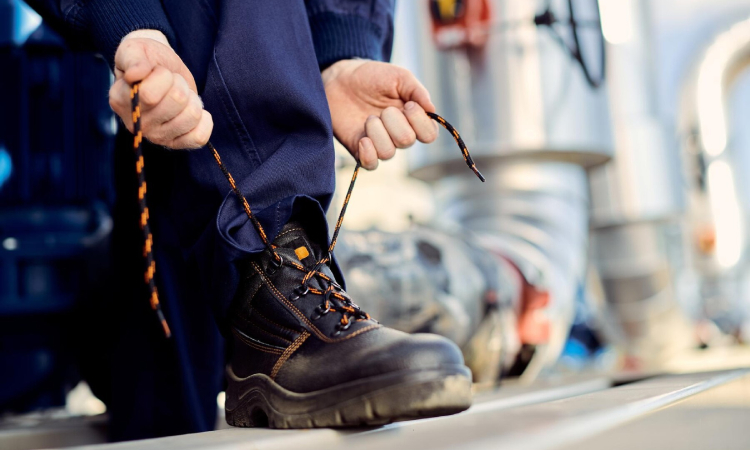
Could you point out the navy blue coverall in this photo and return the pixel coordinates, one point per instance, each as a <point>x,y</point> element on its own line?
<point>257,67</point>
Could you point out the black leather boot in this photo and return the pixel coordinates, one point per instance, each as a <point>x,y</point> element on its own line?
<point>304,355</point>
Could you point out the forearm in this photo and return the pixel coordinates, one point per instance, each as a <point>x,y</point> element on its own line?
<point>351,29</point>
<point>105,22</point>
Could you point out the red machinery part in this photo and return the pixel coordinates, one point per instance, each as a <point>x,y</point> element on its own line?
<point>460,23</point>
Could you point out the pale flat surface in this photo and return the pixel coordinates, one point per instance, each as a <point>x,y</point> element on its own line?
<point>715,419</point>
<point>550,425</point>
<point>510,395</point>
<point>556,416</point>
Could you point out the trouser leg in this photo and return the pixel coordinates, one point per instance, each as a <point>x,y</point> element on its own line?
<point>272,128</point>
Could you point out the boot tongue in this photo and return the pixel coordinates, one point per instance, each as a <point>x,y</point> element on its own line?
<point>294,238</point>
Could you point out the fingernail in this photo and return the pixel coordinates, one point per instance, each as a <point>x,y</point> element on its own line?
<point>409,105</point>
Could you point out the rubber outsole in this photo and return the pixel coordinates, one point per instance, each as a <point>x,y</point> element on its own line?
<point>258,401</point>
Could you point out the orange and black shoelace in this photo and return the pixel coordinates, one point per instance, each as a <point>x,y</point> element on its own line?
<point>148,238</point>
<point>332,289</point>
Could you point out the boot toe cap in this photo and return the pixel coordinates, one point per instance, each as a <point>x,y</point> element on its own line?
<point>318,365</point>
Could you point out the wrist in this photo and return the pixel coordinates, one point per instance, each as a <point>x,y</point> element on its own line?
<point>148,34</point>
<point>334,70</point>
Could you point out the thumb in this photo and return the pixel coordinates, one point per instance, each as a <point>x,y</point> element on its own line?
<point>132,61</point>
<point>410,89</point>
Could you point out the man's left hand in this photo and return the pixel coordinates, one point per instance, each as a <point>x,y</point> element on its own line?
<point>376,108</point>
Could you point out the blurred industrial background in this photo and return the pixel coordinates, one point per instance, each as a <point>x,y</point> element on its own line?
<point>609,239</point>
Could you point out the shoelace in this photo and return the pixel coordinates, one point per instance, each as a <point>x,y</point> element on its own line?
<point>334,297</point>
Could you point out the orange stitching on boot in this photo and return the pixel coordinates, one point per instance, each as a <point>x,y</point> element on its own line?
<point>358,332</point>
<point>288,352</point>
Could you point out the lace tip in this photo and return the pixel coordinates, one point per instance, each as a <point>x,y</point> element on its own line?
<point>167,331</point>
<point>164,325</point>
<point>476,171</point>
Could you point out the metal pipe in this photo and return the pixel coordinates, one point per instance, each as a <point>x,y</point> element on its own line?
<point>634,199</point>
<point>716,242</point>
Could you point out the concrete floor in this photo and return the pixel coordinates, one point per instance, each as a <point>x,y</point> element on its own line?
<point>678,410</point>
<point>685,411</point>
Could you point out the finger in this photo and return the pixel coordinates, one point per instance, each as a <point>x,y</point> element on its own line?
<point>366,154</point>
<point>155,87</point>
<point>399,129</point>
<point>119,101</point>
<point>179,97</point>
<point>198,136</point>
<point>410,89</point>
<point>186,121</point>
<point>425,128</point>
<point>131,59</point>
<point>375,130</point>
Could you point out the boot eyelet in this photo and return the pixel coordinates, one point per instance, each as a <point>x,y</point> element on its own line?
<point>274,266</point>
<point>340,328</point>
<point>299,293</point>
<point>320,312</point>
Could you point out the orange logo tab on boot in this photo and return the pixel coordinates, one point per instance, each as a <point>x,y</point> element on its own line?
<point>301,252</point>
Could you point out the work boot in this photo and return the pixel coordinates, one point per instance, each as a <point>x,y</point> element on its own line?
<point>305,355</point>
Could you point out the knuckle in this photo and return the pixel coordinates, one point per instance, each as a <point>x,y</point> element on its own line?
<point>125,47</point>
<point>201,136</point>
<point>391,110</point>
<point>384,150</point>
<point>153,133</point>
<point>388,154</point>
<point>404,138</point>
<point>371,121</point>
<point>430,135</point>
<point>368,158</point>
<point>195,112</point>
<point>417,112</point>
<point>369,163</point>
<point>178,94</point>
<point>201,139</point>
<point>149,98</point>
<point>158,140</point>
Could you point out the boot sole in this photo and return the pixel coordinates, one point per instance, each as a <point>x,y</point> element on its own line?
<point>369,402</point>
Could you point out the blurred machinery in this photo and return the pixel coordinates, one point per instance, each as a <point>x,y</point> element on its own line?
<point>56,137</point>
<point>637,201</point>
<point>438,282</point>
<point>526,101</point>
<point>716,231</point>
<point>521,81</point>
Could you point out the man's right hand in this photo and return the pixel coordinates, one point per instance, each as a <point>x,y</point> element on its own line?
<point>172,114</point>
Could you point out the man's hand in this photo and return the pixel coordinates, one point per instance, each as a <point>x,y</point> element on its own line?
<point>376,108</point>
<point>172,114</point>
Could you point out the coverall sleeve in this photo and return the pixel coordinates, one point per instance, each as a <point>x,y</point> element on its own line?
<point>105,22</point>
<point>343,29</point>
